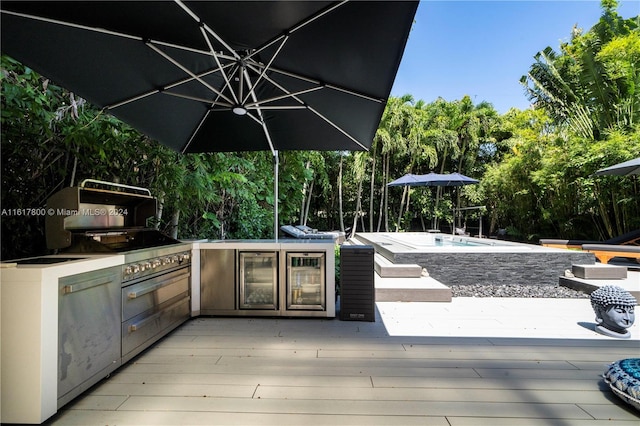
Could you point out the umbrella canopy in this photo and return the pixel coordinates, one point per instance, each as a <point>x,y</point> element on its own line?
<point>203,76</point>
<point>631,167</point>
<point>434,179</point>
<point>208,76</point>
<point>408,179</point>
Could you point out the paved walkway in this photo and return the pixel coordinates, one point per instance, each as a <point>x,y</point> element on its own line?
<point>495,317</point>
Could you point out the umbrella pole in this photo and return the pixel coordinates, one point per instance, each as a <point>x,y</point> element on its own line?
<point>276,167</point>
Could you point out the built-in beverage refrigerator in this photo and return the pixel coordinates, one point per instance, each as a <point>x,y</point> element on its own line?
<point>294,280</point>
<point>305,288</point>
<point>259,280</point>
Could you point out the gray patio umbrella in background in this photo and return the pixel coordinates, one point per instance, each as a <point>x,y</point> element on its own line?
<point>207,76</point>
<point>434,179</point>
<point>631,167</point>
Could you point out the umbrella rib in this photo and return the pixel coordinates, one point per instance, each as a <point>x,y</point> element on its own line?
<point>155,91</point>
<point>72,25</point>
<point>133,99</point>
<point>318,15</point>
<point>318,114</point>
<point>286,96</point>
<point>338,128</point>
<point>297,27</point>
<point>203,100</point>
<point>262,122</point>
<point>277,108</point>
<point>276,84</point>
<point>195,132</point>
<point>265,69</point>
<point>207,28</point>
<point>215,57</point>
<point>328,86</point>
<point>186,70</point>
<point>99,30</point>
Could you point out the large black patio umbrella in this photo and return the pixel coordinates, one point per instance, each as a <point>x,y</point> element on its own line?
<point>627,168</point>
<point>434,179</point>
<point>205,76</point>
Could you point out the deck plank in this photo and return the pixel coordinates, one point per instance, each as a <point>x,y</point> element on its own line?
<point>317,372</point>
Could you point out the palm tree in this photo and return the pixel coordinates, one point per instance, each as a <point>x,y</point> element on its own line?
<point>389,138</point>
<point>591,85</point>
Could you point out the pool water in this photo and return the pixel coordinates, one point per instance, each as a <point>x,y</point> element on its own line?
<point>417,239</point>
<point>440,242</point>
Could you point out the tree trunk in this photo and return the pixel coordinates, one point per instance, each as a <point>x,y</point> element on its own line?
<point>159,211</point>
<point>175,217</point>
<point>383,194</point>
<point>439,190</point>
<point>340,195</point>
<point>75,167</point>
<point>372,191</point>
<point>303,220</point>
<point>306,209</point>
<point>405,192</point>
<point>358,208</point>
<point>386,194</point>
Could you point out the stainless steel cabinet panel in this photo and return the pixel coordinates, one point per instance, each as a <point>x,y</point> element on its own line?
<point>88,330</point>
<point>217,281</point>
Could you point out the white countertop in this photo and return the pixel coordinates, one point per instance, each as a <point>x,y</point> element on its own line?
<point>280,244</point>
<point>86,262</point>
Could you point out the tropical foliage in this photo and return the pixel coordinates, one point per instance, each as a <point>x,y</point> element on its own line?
<point>535,166</point>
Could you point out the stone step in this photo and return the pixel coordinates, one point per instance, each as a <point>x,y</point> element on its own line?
<point>599,271</point>
<point>420,289</point>
<point>631,283</point>
<point>387,269</point>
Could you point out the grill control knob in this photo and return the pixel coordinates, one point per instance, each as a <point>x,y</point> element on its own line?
<point>135,269</point>
<point>128,270</point>
<point>155,263</point>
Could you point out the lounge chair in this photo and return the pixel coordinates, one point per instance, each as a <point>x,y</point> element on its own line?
<point>605,252</point>
<point>630,238</point>
<point>305,232</point>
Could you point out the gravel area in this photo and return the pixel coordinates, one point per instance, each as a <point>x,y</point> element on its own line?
<point>517,290</point>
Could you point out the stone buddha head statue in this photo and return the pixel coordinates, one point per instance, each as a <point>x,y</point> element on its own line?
<point>614,309</point>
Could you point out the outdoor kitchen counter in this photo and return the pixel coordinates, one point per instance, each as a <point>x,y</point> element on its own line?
<point>29,330</point>
<point>222,289</point>
<point>263,244</point>
<point>10,271</point>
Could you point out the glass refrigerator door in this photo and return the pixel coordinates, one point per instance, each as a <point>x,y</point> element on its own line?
<point>258,280</point>
<point>305,281</point>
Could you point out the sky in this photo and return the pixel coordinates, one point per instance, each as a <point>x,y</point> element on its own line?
<point>481,48</point>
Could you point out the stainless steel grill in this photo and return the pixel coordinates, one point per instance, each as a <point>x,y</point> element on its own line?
<point>104,217</point>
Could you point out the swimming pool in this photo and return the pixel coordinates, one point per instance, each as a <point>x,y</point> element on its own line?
<point>420,239</point>
<point>453,259</point>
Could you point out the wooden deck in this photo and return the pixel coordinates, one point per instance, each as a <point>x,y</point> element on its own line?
<point>468,362</point>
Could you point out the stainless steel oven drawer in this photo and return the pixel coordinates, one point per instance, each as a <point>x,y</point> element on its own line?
<point>143,330</point>
<point>147,295</point>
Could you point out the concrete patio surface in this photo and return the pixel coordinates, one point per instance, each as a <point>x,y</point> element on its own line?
<point>474,361</point>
